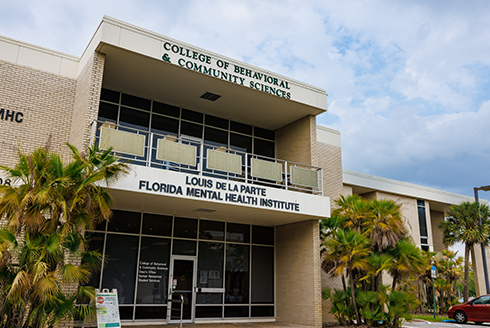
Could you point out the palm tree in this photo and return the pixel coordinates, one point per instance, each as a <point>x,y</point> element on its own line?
<point>349,250</point>
<point>48,207</point>
<point>468,223</point>
<point>384,224</point>
<point>407,260</point>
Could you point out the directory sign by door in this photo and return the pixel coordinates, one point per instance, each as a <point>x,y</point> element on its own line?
<point>182,284</point>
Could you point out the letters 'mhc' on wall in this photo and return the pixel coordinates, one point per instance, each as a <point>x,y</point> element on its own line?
<point>10,115</point>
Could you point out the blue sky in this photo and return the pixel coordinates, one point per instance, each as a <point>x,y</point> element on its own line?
<point>408,81</point>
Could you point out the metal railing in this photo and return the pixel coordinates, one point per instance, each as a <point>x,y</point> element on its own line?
<point>172,301</point>
<point>200,168</point>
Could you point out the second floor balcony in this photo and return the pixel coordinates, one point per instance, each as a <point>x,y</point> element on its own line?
<point>195,156</point>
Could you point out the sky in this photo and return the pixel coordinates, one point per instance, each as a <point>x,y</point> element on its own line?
<point>408,82</point>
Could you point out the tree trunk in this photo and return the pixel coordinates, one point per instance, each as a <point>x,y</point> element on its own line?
<point>343,283</point>
<point>466,272</point>
<point>353,294</point>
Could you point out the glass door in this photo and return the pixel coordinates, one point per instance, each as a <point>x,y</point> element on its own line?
<point>181,287</point>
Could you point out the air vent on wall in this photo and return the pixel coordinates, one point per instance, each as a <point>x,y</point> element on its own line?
<point>204,210</point>
<point>210,96</point>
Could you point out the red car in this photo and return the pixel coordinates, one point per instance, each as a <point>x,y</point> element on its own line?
<point>477,310</point>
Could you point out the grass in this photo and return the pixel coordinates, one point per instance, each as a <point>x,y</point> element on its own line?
<point>430,317</point>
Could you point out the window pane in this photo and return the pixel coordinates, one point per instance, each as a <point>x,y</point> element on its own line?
<point>123,221</point>
<point>210,265</point>
<point>209,311</point>
<point>237,274</point>
<point>264,148</point>
<point>151,312</point>
<point>191,129</point>
<point>109,95</point>
<point>166,109</point>
<point>262,311</point>
<point>133,101</point>
<point>208,298</point>
<point>108,112</point>
<point>238,232</point>
<point>216,137</point>
<point>240,127</point>
<point>153,271</point>
<point>191,115</point>
<point>241,142</point>
<point>184,247</point>
<point>422,222</point>
<point>262,275</point>
<point>211,230</point>
<point>159,225</point>
<point>263,235</point>
<point>185,228</point>
<point>120,268</point>
<point>126,312</point>
<point>236,311</point>
<point>263,133</point>
<point>135,119</point>
<point>164,125</point>
<point>216,121</point>
<point>95,243</point>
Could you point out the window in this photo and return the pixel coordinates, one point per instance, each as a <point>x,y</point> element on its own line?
<point>235,264</point>
<point>424,232</point>
<point>165,119</point>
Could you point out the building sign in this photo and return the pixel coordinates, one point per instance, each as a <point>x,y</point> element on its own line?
<point>191,187</point>
<point>10,115</point>
<point>227,191</point>
<point>221,69</point>
<point>107,307</point>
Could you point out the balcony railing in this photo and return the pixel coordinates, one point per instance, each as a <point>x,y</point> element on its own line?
<point>193,156</point>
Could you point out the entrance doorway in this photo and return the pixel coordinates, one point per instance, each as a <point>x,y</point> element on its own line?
<point>181,287</point>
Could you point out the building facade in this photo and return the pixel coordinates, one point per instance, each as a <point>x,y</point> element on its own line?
<point>230,173</point>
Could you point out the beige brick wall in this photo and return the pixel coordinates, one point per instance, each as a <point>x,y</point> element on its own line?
<point>329,158</point>
<point>296,142</point>
<point>87,98</point>
<point>298,278</point>
<point>46,101</point>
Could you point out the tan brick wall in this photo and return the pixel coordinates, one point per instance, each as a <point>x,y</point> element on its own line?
<point>298,278</point>
<point>87,98</point>
<point>296,142</point>
<point>329,158</point>
<point>46,101</point>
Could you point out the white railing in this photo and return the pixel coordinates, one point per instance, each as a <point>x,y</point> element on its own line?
<point>149,158</point>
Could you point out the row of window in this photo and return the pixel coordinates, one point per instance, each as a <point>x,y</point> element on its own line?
<point>144,114</point>
<point>236,259</point>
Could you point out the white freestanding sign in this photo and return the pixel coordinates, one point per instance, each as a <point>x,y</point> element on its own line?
<point>107,308</point>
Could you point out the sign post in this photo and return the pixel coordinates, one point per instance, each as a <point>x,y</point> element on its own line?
<point>433,275</point>
<point>107,308</point>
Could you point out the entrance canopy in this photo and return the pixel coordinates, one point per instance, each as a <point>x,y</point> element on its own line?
<point>153,66</point>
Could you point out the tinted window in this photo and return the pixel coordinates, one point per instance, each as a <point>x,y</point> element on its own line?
<point>191,115</point>
<point>263,133</point>
<point>216,121</point>
<point>134,101</point>
<point>109,95</point>
<point>123,221</point>
<point>166,109</point>
<point>134,118</point>
<point>108,112</point>
<point>240,127</point>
